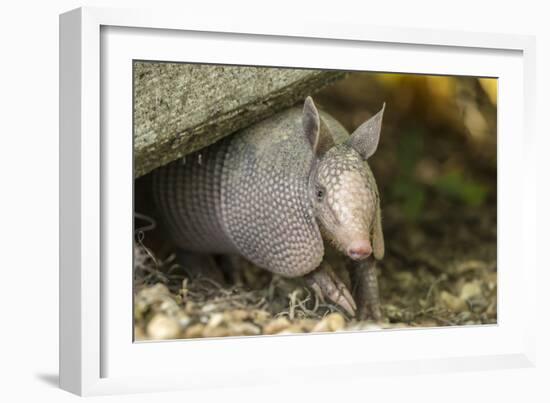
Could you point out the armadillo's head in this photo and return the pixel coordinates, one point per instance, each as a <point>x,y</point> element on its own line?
<point>342,188</point>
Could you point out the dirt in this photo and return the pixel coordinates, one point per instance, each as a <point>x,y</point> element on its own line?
<point>436,277</point>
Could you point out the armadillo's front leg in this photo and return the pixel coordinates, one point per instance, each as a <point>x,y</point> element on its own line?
<point>367,293</point>
<point>326,283</point>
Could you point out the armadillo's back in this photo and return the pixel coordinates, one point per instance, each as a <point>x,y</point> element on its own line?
<point>187,194</point>
<point>265,199</point>
<point>247,194</point>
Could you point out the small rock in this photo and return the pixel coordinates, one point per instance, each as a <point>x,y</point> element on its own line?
<point>260,316</point>
<point>154,291</point>
<point>277,325</point>
<point>292,329</point>
<point>463,317</point>
<point>162,327</point>
<point>169,306</point>
<point>236,315</point>
<point>220,331</point>
<point>308,324</point>
<point>208,308</point>
<point>194,331</point>
<point>330,323</point>
<point>243,329</point>
<point>393,313</point>
<point>215,320</point>
<point>470,290</point>
<point>183,319</point>
<point>478,303</point>
<point>157,297</point>
<point>452,302</point>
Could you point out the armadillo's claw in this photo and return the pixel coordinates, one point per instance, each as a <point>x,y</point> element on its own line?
<point>345,301</point>
<point>325,283</point>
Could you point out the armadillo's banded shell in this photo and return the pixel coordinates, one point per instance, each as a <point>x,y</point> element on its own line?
<point>266,207</point>
<point>187,193</point>
<point>247,194</point>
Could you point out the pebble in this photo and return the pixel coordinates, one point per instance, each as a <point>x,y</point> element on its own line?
<point>215,320</point>
<point>292,329</point>
<point>463,317</point>
<point>157,296</point>
<point>236,315</point>
<point>330,323</point>
<point>470,290</point>
<point>260,316</point>
<point>276,325</point>
<point>221,331</point>
<point>162,327</point>
<point>184,319</point>
<point>194,331</point>
<point>243,329</point>
<point>308,324</point>
<point>169,306</point>
<point>452,302</point>
<point>478,303</point>
<point>392,311</point>
<point>155,290</point>
<point>208,308</point>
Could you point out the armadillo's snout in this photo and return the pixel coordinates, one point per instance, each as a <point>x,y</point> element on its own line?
<point>359,249</point>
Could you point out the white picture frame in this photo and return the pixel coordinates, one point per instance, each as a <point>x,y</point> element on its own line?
<point>96,354</point>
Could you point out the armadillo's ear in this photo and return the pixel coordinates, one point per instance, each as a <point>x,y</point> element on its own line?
<point>365,138</point>
<point>315,130</point>
<point>377,235</point>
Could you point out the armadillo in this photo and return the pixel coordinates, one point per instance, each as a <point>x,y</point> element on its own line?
<point>276,193</point>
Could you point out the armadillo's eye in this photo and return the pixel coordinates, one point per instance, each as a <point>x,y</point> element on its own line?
<point>320,193</point>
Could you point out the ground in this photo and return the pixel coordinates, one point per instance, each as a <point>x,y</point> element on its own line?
<point>439,277</point>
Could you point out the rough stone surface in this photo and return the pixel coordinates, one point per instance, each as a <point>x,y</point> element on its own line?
<point>181,108</point>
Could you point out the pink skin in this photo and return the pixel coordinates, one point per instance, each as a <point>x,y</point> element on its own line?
<point>359,249</point>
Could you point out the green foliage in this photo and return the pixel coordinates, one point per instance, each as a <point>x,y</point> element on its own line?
<point>410,194</point>
<point>409,151</point>
<point>456,186</point>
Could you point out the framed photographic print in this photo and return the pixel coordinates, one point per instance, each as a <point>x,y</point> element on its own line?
<point>236,199</point>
